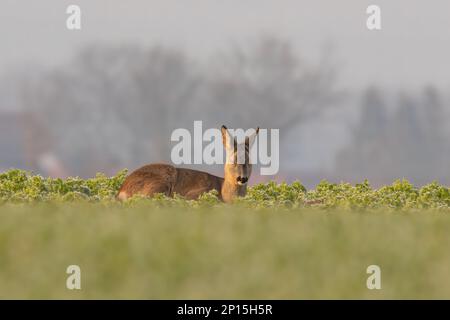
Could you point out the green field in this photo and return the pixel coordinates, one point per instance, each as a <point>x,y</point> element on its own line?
<point>275,243</point>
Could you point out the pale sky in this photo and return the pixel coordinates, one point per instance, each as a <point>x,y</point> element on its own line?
<point>411,50</point>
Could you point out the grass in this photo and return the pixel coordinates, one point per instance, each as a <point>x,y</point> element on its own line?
<point>221,252</point>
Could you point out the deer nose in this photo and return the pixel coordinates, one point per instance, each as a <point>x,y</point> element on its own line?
<point>242,179</point>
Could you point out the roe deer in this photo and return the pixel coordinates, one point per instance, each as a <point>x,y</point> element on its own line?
<point>166,179</point>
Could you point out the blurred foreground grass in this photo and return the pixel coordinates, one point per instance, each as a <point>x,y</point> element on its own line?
<point>220,252</point>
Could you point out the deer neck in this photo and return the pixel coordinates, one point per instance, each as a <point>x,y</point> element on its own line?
<point>231,190</point>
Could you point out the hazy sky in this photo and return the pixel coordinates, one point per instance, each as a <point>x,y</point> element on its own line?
<point>411,49</point>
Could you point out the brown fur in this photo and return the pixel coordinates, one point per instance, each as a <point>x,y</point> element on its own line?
<point>166,179</point>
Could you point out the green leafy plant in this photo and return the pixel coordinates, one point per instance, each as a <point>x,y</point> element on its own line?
<point>17,186</point>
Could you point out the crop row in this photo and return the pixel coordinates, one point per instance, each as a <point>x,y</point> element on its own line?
<point>17,186</point>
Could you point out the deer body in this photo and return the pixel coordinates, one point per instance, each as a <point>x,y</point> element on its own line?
<point>167,179</point>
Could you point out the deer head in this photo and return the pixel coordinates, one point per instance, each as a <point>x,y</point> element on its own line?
<point>237,167</point>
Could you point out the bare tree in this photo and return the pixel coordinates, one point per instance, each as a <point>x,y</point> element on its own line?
<point>409,143</point>
<point>267,84</point>
<point>115,105</point>
<point>366,155</point>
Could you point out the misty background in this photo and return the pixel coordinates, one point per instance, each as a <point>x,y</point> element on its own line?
<point>350,103</point>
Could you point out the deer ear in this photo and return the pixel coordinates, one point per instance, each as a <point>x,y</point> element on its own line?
<point>251,139</point>
<point>226,137</point>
